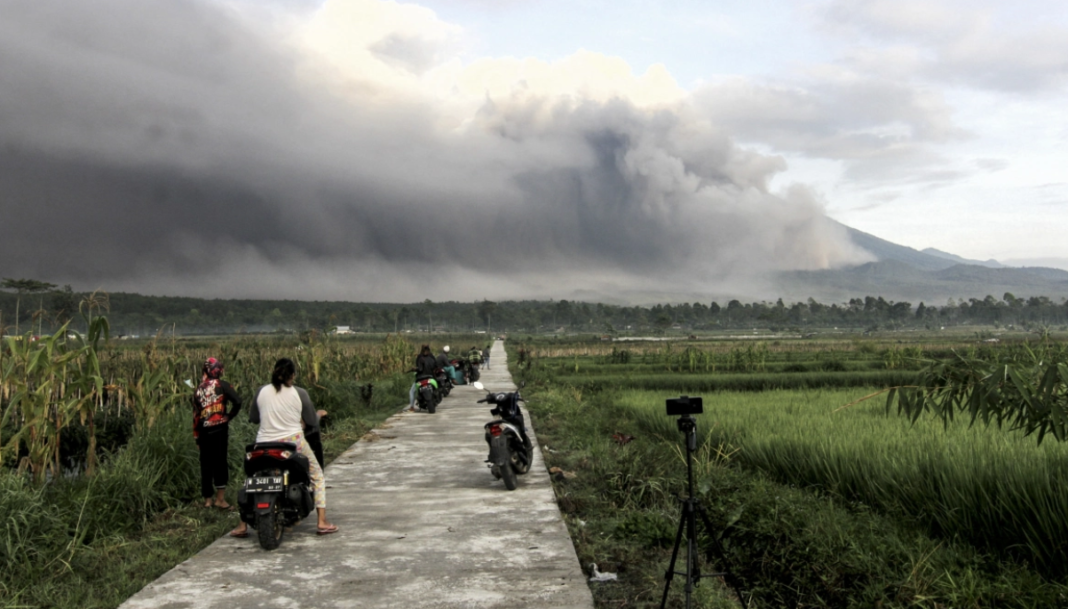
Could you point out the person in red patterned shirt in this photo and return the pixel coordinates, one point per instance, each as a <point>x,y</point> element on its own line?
<point>211,430</point>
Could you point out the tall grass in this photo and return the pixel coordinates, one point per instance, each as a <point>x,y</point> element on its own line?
<point>996,490</point>
<point>789,546</point>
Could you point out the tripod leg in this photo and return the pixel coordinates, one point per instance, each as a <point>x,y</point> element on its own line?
<point>674,555</point>
<point>718,547</point>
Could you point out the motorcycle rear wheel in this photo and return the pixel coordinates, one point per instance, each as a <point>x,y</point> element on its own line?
<point>510,480</point>
<point>521,466</point>
<point>269,528</point>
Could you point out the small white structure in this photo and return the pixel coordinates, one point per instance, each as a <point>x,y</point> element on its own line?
<point>343,330</point>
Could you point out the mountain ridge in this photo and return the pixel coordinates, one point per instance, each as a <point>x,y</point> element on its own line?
<point>931,275</point>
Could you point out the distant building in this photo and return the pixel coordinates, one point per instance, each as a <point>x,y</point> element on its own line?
<point>343,330</point>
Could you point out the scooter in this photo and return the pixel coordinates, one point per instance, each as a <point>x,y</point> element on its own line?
<point>277,492</point>
<point>511,452</point>
<point>444,382</point>
<point>471,373</point>
<point>427,396</point>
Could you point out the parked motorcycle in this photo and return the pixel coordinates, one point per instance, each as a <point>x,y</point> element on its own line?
<point>427,396</point>
<point>444,382</point>
<point>511,452</point>
<point>277,492</point>
<point>460,367</point>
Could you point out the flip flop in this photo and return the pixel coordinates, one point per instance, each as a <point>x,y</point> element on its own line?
<point>328,530</point>
<point>225,508</point>
<point>243,535</point>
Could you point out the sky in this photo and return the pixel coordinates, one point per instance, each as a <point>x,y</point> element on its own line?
<point>469,149</point>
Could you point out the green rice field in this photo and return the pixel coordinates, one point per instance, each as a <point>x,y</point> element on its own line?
<point>822,498</point>
<point>994,488</point>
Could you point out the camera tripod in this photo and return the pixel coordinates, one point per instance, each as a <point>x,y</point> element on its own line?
<point>691,509</point>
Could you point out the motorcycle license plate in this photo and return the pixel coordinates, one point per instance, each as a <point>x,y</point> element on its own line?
<point>266,484</point>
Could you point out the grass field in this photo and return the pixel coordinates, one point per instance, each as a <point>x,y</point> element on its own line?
<point>816,505</point>
<point>995,489</point>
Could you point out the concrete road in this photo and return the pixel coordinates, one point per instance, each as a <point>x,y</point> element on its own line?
<point>423,525</point>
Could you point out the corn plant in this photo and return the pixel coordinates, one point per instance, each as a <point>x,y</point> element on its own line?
<point>48,382</point>
<point>1026,393</point>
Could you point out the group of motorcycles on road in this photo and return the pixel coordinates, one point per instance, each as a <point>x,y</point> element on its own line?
<point>434,387</point>
<point>277,493</point>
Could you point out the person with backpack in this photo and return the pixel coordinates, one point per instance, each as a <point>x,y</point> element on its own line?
<point>474,361</point>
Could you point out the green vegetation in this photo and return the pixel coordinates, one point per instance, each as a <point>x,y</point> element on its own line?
<point>138,315</point>
<point>108,499</point>
<point>817,505</point>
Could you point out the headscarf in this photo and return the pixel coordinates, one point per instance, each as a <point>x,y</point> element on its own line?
<point>212,368</point>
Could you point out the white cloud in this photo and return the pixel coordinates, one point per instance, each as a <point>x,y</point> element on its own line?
<point>976,43</point>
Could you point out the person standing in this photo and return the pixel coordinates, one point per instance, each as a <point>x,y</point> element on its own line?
<point>286,414</point>
<point>485,357</point>
<point>211,430</point>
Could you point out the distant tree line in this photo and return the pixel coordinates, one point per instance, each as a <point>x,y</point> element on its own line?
<point>42,307</point>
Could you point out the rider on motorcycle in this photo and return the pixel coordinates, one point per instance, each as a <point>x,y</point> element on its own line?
<point>424,367</point>
<point>443,361</point>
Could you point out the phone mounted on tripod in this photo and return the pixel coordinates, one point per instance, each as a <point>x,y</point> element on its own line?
<point>685,407</point>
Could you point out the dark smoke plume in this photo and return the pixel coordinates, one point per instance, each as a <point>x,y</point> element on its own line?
<point>182,148</point>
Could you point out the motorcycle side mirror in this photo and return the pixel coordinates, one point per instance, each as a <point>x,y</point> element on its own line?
<point>478,385</point>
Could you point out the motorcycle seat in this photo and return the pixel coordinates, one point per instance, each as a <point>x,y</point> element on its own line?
<point>268,445</point>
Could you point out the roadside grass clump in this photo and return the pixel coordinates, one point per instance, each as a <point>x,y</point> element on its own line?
<point>790,547</point>
<point>994,489</point>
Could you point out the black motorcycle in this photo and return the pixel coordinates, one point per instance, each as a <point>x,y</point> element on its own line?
<point>277,492</point>
<point>427,395</point>
<point>444,382</point>
<point>471,372</point>
<point>511,452</point>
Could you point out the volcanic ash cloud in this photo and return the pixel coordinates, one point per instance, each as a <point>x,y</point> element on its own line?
<point>190,148</point>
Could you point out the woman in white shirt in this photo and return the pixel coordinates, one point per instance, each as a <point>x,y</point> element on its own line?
<point>285,413</point>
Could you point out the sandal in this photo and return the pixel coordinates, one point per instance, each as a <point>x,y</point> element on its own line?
<point>239,534</point>
<point>326,531</point>
<point>226,508</point>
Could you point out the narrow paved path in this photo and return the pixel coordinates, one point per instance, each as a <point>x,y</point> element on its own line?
<point>423,525</point>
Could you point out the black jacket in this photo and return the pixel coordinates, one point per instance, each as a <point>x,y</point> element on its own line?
<point>443,360</point>
<point>425,364</point>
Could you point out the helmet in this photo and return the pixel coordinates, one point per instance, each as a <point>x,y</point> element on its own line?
<point>213,368</point>
<point>445,348</point>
